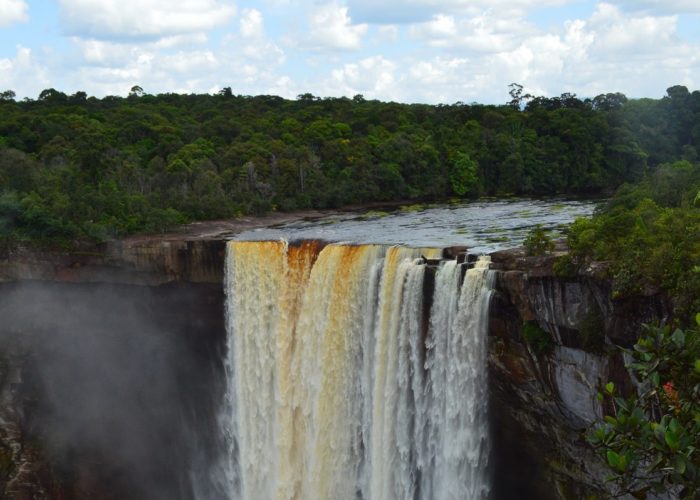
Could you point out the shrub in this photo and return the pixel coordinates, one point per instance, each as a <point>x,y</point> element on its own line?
<point>564,267</point>
<point>538,242</point>
<point>651,440</point>
<point>540,340</point>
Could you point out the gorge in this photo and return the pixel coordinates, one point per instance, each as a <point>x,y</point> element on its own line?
<point>346,371</point>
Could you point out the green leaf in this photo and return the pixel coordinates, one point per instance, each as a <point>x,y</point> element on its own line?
<point>610,388</point>
<point>672,440</point>
<point>638,413</point>
<point>678,337</point>
<point>697,365</point>
<point>613,459</point>
<point>675,426</point>
<point>660,433</point>
<point>697,318</point>
<point>610,420</point>
<point>654,377</point>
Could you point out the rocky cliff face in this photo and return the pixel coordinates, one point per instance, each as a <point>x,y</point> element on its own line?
<point>159,303</point>
<point>133,262</point>
<point>544,386</point>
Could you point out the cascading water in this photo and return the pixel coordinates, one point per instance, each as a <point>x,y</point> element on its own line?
<point>339,387</point>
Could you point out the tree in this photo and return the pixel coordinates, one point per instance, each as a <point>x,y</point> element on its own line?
<point>609,102</point>
<point>538,242</point>
<point>52,95</point>
<point>136,91</point>
<point>463,178</point>
<point>516,94</point>
<point>79,97</point>
<point>651,440</point>
<point>7,95</point>
<point>307,97</point>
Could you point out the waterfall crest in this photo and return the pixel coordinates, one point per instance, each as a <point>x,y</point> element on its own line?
<point>343,385</point>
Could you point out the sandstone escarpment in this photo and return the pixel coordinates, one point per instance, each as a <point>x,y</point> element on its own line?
<point>543,390</point>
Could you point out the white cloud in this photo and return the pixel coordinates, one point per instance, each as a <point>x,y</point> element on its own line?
<point>455,50</point>
<point>248,61</point>
<point>23,73</point>
<point>13,11</point>
<point>475,58</point>
<point>374,77</point>
<point>252,45</point>
<point>115,68</point>
<point>617,32</point>
<point>285,87</point>
<point>482,33</point>
<point>331,29</point>
<point>441,27</point>
<point>142,19</point>
<point>251,24</point>
<point>188,63</point>
<point>181,40</point>
<point>105,53</point>
<point>613,50</point>
<point>608,52</point>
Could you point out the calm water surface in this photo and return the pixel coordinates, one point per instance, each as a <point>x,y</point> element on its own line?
<point>483,226</point>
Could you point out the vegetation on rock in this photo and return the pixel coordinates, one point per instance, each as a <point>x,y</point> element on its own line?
<point>650,235</point>
<point>540,340</point>
<point>538,242</point>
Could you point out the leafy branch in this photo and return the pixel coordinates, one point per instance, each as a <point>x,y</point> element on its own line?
<point>651,440</point>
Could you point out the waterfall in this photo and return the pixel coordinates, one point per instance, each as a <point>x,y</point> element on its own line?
<point>342,385</point>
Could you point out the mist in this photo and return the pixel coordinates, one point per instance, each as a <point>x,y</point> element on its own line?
<point>120,385</point>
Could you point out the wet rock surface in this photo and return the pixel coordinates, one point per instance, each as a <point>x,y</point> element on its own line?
<point>543,396</point>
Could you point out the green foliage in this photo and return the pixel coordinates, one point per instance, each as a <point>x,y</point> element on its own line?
<point>650,236</point>
<point>463,178</point>
<point>81,168</point>
<point>565,267</point>
<point>540,340</point>
<point>538,242</point>
<point>651,440</point>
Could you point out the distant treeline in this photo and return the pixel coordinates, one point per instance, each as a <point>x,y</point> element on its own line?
<point>75,168</point>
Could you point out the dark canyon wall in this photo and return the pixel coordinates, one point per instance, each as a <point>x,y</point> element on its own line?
<point>110,372</point>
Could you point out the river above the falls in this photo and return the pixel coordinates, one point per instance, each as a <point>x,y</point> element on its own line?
<point>484,225</point>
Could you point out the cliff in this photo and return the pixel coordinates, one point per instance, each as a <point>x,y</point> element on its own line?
<point>542,389</point>
<point>192,254</point>
<point>544,385</point>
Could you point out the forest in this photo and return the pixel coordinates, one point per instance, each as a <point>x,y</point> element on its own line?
<point>75,168</point>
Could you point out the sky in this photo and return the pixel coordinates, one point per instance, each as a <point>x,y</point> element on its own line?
<point>430,51</point>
